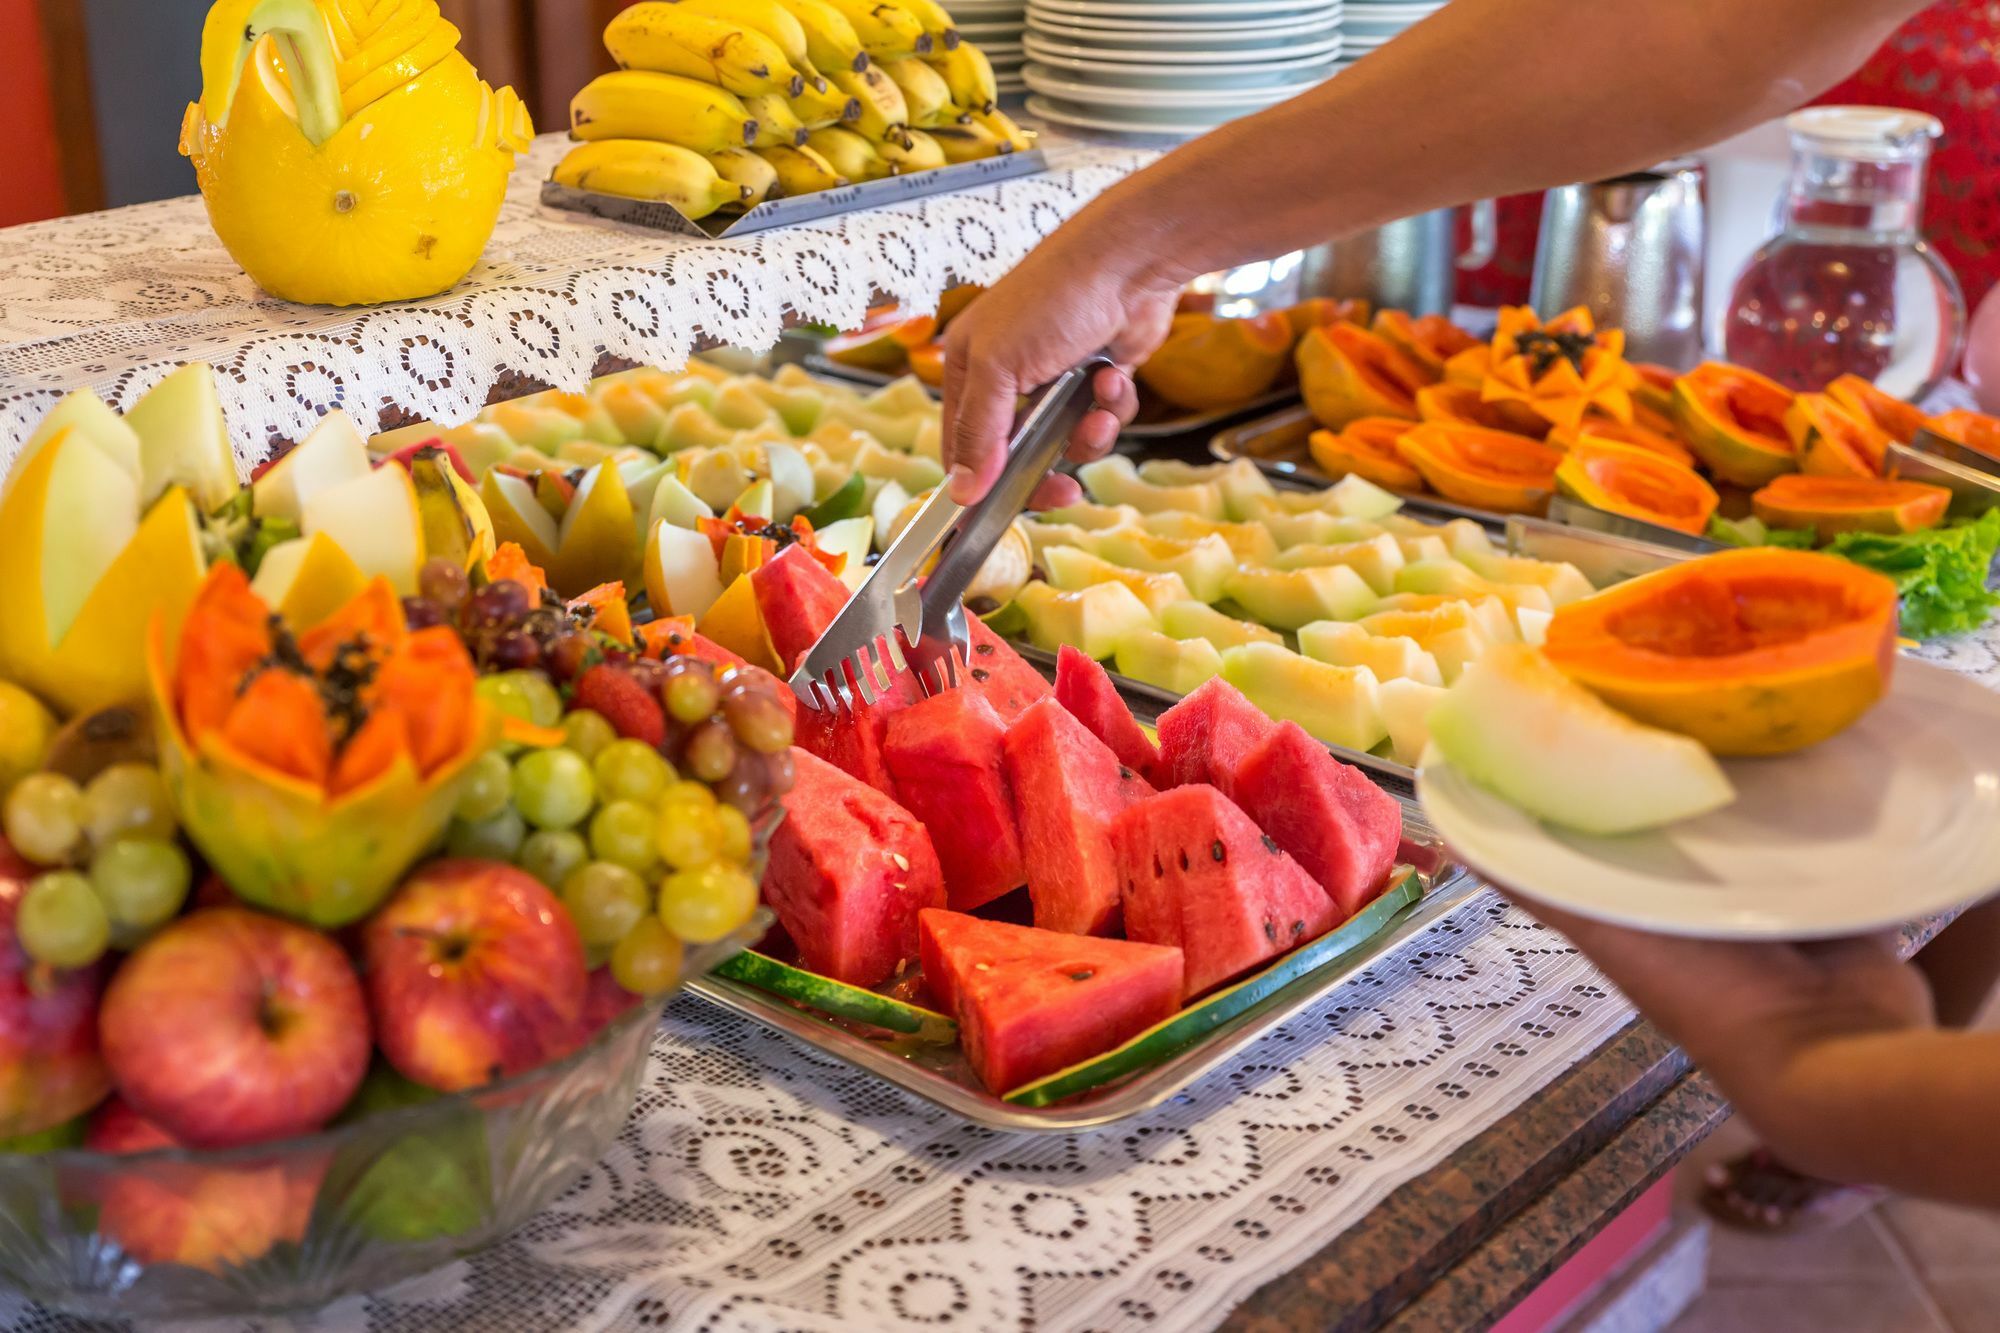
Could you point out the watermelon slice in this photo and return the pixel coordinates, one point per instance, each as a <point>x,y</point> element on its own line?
<point>1198,874</point>
<point>1083,687</point>
<point>1068,787</point>
<point>1001,674</point>
<point>1030,1002</point>
<point>944,757</point>
<point>852,742</point>
<point>798,598</point>
<point>1343,829</point>
<point>849,871</point>
<point>1206,736</point>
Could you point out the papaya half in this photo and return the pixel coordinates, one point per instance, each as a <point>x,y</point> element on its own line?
<point>1463,404</point>
<point>1833,505</point>
<point>1760,651</point>
<point>1655,389</point>
<point>1488,469</point>
<point>1367,449</point>
<point>1831,441</point>
<point>1734,421</point>
<point>1890,414</point>
<point>1207,363</point>
<point>1431,340</point>
<point>1633,433</point>
<point>1314,311</point>
<point>1347,373</point>
<point>884,348</point>
<point>1975,430</point>
<point>1634,481</point>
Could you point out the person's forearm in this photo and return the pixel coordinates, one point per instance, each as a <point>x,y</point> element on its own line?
<point>1486,98</point>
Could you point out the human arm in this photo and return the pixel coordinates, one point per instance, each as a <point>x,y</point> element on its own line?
<point>1485,98</point>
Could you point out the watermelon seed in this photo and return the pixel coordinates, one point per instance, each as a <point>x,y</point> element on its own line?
<point>1085,975</point>
<point>1158,869</point>
<point>1217,851</point>
<point>981,674</point>
<point>902,861</point>
<point>982,967</point>
<point>1184,860</point>
<point>1271,844</point>
<point>1271,931</point>
<point>1298,927</point>
<point>983,649</point>
<point>1125,774</point>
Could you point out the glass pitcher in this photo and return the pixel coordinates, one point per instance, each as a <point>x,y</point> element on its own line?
<point>1848,285</point>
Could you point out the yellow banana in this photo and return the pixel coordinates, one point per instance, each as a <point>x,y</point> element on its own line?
<point>849,154</point>
<point>455,522</point>
<point>919,152</point>
<point>674,39</point>
<point>925,93</point>
<point>823,106</point>
<point>886,31</point>
<point>884,111</point>
<point>968,74</point>
<point>801,170</point>
<point>968,142</point>
<point>777,123</point>
<point>639,104</point>
<point>766,16</point>
<point>643,169</point>
<point>1001,124</point>
<point>936,23</point>
<point>831,42</point>
<point>741,166</point>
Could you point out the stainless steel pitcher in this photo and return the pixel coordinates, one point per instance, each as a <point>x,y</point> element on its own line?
<point>1632,250</point>
<point>1410,264</point>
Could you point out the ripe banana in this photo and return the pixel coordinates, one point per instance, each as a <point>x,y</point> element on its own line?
<point>1000,123</point>
<point>925,93</point>
<point>887,31</point>
<point>777,123</point>
<point>823,106</point>
<point>884,111</point>
<point>643,169</point>
<point>454,519</point>
<point>968,74</point>
<point>675,39</point>
<point>939,25</point>
<point>801,170</point>
<point>969,142</point>
<point>919,153</point>
<point>849,154</point>
<point>741,166</point>
<point>831,42</point>
<point>639,104</point>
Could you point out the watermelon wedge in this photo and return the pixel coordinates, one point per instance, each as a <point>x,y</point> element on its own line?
<point>848,874</point>
<point>943,756</point>
<point>1199,875</point>
<point>1067,789</point>
<point>1206,736</point>
<point>995,670</point>
<point>1084,688</point>
<point>1030,1002</point>
<point>853,742</point>
<point>798,598</point>
<point>1340,827</point>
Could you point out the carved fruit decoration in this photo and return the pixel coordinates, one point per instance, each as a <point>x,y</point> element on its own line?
<point>1560,369</point>
<point>347,152</point>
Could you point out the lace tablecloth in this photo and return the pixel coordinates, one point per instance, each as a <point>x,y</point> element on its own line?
<point>116,300</point>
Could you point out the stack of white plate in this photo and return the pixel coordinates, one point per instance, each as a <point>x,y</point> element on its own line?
<point>1369,23</point>
<point>1173,67</point>
<point>994,26</point>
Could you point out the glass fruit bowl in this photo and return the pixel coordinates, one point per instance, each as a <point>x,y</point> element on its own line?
<point>295,1224</point>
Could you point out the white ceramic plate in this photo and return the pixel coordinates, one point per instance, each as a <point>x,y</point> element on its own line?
<point>979,34</point>
<point>1051,84</point>
<point>1894,819</point>
<point>1060,113</point>
<point>988,11</point>
<point>1176,10</point>
<point>1219,40</point>
<point>1179,78</point>
<point>1042,48</point>
<point>1194,30</point>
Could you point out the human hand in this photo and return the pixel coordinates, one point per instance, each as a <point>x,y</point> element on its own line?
<point>1059,305</point>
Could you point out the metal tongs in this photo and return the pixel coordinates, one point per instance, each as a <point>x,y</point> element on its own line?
<point>894,624</point>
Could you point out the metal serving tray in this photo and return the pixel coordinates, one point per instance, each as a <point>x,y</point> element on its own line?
<point>1972,478</point>
<point>941,1076</point>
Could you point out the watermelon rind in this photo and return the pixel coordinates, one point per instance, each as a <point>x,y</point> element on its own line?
<point>837,998</point>
<point>1161,1042</point>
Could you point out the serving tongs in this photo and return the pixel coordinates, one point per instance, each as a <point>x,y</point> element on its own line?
<point>893,623</point>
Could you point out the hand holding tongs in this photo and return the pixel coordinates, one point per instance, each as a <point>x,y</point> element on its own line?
<point>891,623</point>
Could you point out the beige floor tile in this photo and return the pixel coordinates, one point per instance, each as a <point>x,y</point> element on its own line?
<point>1809,1307</point>
<point>1969,1301</point>
<point>1943,1239</point>
<point>1854,1252</point>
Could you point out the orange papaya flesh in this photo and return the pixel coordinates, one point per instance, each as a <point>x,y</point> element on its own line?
<point>1430,340</point>
<point>511,562</point>
<point>1207,363</point>
<point>1975,430</point>
<point>610,613</point>
<point>1464,404</point>
<point>1627,479</point>
<point>1890,414</point>
<point>1639,436</point>
<point>1734,421</point>
<point>1315,311</point>
<point>1347,373</point>
<point>1831,441</point>
<point>1367,449</point>
<point>884,348</point>
<point>927,363</point>
<point>1833,505</point>
<point>1761,651</point>
<point>1488,469</point>
<point>1655,389</point>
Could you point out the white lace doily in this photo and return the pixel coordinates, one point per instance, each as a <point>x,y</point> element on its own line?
<point>116,300</point>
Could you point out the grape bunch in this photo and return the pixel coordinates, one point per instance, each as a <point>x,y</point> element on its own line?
<point>505,625</point>
<point>117,871</point>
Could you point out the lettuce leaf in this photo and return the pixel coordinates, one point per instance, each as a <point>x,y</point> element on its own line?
<point>1941,572</point>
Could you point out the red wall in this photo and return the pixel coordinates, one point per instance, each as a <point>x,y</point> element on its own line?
<point>30,169</point>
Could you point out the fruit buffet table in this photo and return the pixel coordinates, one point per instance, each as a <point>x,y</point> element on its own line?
<point>1419,1149</point>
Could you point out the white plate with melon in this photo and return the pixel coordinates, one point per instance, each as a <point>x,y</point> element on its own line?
<point>1541,786</point>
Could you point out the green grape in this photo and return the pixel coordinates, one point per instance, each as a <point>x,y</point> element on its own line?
<point>544,703</point>
<point>127,800</point>
<point>142,883</point>
<point>757,718</point>
<point>61,922</point>
<point>710,751</point>
<point>691,795</point>
<point>691,694</point>
<point>495,839</point>
<point>622,831</point>
<point>489,785</point>
<point>648,960</point>
<point>701,906</point>
<point>43,818</point>
<point>553,788</point>
<point>550,854</point>
<point>629,770</point>
<point>687,836</point>
<point>605,900</point>
<point>586,732</point>
<point>735,841</point>
<point>504,692</point>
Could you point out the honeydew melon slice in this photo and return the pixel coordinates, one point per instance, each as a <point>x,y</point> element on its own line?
<point>92,419</point>
<point>183,440</point>
<point>1115,480</point>
<point>1198,620</point>
<point>1252,542</point>
<point>1289,598</point>
<point>1042,536</point>
<point>1406,711</point>
<point>1337,704</point>
<point>1376,559</point>
<point>332,454</point>
<point>680,571</point>
<point>852,538</point>
<point>1565,582</point>
<point>1204,564</point>
<point>1091,620</point>
<point>375,519</point>
<point>1093,518</point>
<point>1239,480</point>
<point>1389,656</point>
<point>1072,569</point>
<point>1179,666</point>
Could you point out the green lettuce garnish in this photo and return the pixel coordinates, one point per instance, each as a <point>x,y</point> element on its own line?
<point>1941,572</point>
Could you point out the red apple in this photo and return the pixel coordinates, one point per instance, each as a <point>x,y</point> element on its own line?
<point>604,1000</point>
<point>475,972</point>
<point>50,1070</point>
<point>232,1027</point>
<point>177,1212</point>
